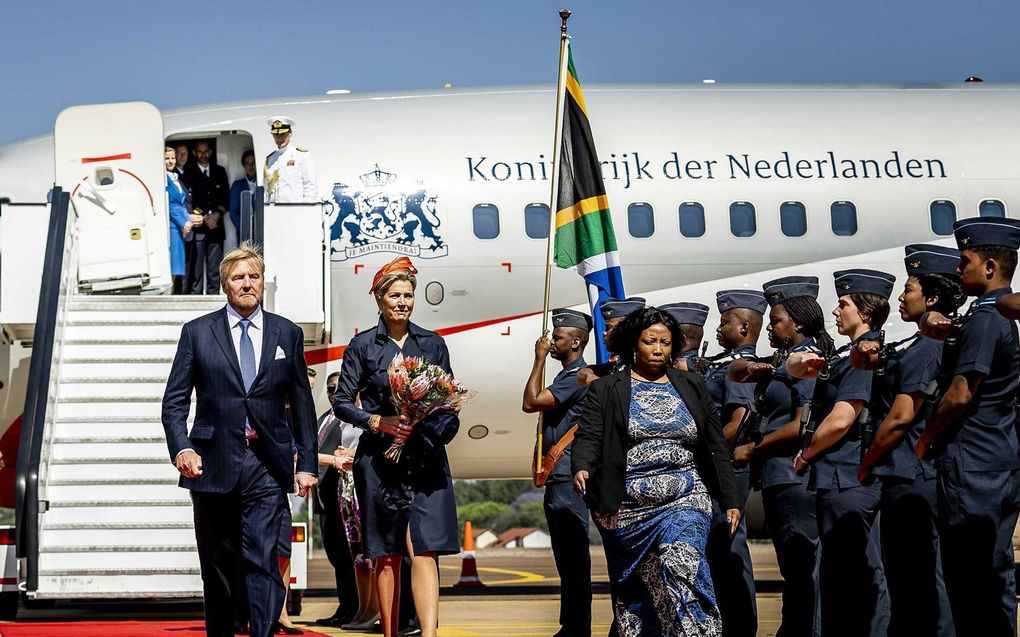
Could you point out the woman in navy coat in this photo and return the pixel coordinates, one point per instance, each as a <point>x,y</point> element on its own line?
<point>180,222</point>
<point>407,507</point>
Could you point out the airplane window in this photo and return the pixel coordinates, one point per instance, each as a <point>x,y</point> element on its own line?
<point>793,218</point>
<point>992,208</point>
<point>640,220</point>
<point>943,215</point>
<point>843,215</point>
<point>742,221</point>
<point>486,221</point>
<point>536,220</point>
<point>692,219</point>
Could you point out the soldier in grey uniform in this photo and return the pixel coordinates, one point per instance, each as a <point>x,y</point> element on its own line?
<point>565,511</point>
<point>691,317</point>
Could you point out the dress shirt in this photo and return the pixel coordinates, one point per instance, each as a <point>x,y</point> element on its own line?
<point>204,169</point>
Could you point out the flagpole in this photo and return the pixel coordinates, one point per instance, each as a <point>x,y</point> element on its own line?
<point>554,184</point>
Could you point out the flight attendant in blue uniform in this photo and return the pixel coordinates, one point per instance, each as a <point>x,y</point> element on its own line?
<point>789,506</point>
<point>909,534</point>
<point>972,439</point>
<point>854,597</point>
<point>740,322</point>
<point>565,511</point>
<point>408,507</point>
<point>692,318</point>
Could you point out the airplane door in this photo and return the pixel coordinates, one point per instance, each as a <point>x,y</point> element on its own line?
<point>110,158</point>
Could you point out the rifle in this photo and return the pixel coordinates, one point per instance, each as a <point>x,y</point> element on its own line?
<point>864,420</point>
<point>700,362</point>
<point>753,422</point>
<point>808,422</point>
<point>950,354</point>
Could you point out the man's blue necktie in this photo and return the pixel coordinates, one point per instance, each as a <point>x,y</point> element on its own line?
<point>247,368</point>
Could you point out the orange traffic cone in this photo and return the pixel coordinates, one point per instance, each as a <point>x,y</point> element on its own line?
<point>468,567</point>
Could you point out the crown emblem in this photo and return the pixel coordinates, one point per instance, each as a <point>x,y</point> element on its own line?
<point>377,178</point>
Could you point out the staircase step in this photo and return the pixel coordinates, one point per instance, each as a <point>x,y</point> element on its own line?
<point>69,495</point>
<point>112,380</point>
<point>105,430</point>
<point>147,469</point>
<point>69,482</point>
<point>113,452</point>
<point>120,350</point>
<point>100,366</point>
<point>161,511</point>
<point>123,585</point>
<point>110,460</point>
<point>87,330</point>
<point>80,440</point>
<point>119,548</point>
<point>149,408</point>
<point>100,561</point>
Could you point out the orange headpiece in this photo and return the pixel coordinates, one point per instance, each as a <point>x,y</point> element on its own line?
<point>400,264</point>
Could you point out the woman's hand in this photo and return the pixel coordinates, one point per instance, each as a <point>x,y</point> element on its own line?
<point>936,325</point>
<point>804,365</point>
<point>865,355</point>
<point>397,426</point>
<point>196,218</point>
<point>343,459</point>
<point>733,517</point>
<point>742,455</point>
<point>580,482</point>
<point>186,230</point>
<point>586,377</point>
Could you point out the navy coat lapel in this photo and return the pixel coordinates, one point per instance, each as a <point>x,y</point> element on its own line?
<point>622,386</point>
<point>269,340</point>
<point>221,332</point>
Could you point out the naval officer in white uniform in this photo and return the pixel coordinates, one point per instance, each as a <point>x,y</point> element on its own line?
<point>289,174</point>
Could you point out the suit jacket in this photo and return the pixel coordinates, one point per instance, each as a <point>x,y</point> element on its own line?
<point>206,362</point>
<point>209,194</point>
<point>329,478</point>
<point>600,447</point>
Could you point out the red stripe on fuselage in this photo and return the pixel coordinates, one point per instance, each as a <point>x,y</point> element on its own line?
<point>92,160</point>
<point>336,352</point>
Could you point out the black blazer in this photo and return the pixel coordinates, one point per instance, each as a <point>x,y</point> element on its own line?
<point>209,194</point>
<point>600,447</point>
<point>207,363</point>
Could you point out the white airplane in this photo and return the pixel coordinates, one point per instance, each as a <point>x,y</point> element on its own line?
<point>712,187</point>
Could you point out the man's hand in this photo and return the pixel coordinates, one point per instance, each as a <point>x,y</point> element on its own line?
<point>196,218</point>
<point>865,355</point>
<point>189,464</point>
<point>800,465</point>
<point>212,220</point>
<point>542,347</point>
<point>804,365</point>
<point>936,325</point>
<point>864,474</point>
<point>923,446</point>
<point>303,482</point>
<point>580,482</point>
<point>742,455</point>
<point>397,426</point>
<point>733,517</point>
<point>758,370</point>
<point>586,377</point>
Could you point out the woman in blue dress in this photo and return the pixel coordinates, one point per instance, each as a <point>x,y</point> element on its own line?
<point>180,222</point>
<point>648,458</point>
<point>407,508</point>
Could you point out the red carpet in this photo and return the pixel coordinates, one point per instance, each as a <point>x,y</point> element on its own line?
<point>111,629</point>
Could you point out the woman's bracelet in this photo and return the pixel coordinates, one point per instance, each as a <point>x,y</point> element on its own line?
<point>373,422</point>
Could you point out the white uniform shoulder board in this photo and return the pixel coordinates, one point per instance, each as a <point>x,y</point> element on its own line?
<point>301,150</point>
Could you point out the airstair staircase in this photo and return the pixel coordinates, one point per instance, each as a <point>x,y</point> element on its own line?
<point>112,518</point>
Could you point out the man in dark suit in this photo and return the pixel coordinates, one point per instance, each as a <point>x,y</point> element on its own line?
<point>238,460</point>
<point>327,507</point>
<point>240,186</point>
<point>210,198</point>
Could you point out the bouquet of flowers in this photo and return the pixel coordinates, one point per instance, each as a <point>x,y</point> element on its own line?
<point>419,389</point>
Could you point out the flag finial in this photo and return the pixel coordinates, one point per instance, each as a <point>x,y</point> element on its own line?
<point>564,15</point>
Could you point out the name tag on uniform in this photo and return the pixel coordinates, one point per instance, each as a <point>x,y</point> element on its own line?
<point>290,163</point>
<point>279,353</point>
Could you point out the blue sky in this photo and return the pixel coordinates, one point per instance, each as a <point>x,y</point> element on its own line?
<point>62,53</point>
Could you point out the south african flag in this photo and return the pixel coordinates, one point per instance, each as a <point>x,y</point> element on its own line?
<point>584,238</point>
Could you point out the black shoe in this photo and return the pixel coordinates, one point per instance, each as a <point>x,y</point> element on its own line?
<point>285,630</point>
<point>410,631</point>
<point>336,621</point>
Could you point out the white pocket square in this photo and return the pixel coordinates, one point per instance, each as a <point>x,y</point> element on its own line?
<point>279,353</point>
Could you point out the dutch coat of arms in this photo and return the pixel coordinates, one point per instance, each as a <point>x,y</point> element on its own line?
<point>383,216</point>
